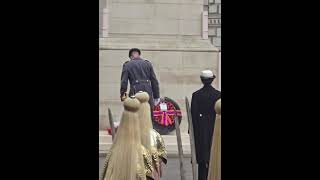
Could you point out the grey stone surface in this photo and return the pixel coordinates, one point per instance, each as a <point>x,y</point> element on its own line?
<point>212,32</point>
<point>155,18</point>
<point>101,6</point>
<point>110,91</point>
<point>213,8</point>
<point>160,1</point>
<point>172,169</point>
<point>219,32</point>
<point>219,8</point>
<point>217,40</point>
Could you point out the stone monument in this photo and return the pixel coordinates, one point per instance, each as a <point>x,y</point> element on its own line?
<point>172,34</point>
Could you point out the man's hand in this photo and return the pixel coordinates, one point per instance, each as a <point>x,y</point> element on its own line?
<point>156,101</point>
<point>124,96</point>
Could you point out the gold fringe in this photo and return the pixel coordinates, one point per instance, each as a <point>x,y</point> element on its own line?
<point>215,159</point>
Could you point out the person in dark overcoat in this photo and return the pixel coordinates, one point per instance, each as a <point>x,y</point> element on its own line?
<point>203,119</point>
<point>140,74</point>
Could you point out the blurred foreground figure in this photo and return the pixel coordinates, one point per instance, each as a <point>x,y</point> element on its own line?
<point>215,159</point>
<point>127,159</point>
<point>203,119</point>
<point>150,138</point>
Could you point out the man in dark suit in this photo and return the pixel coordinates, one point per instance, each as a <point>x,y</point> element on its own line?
<point>203,118</point>
<point>141,76</point>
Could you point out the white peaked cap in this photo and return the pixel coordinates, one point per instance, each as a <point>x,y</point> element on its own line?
<point>207,74</point>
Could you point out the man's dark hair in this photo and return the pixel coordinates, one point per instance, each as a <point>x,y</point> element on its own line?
<point>134,50</point>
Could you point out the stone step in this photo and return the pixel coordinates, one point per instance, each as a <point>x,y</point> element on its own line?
<point>105,142</point>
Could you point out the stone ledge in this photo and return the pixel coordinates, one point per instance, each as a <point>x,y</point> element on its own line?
<point>192,2</point>
<point>157,44</point>
<point>163,49</point>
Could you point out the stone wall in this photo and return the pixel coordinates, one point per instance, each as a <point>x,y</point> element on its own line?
<point>152,20</point>
<point>156,17</point>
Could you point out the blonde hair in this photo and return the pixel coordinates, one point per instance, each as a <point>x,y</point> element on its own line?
<point>126,149</point>
<point>215,159</point>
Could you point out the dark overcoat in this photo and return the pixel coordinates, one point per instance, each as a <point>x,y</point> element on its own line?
<point>203,119</point>
<point>140,74</point>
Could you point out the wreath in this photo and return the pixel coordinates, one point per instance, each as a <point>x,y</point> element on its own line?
<point>163,120</point>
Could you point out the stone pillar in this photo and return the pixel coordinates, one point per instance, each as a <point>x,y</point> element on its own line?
<point>105,23</point>
<point>205,25</point>
<point>102,5</point>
